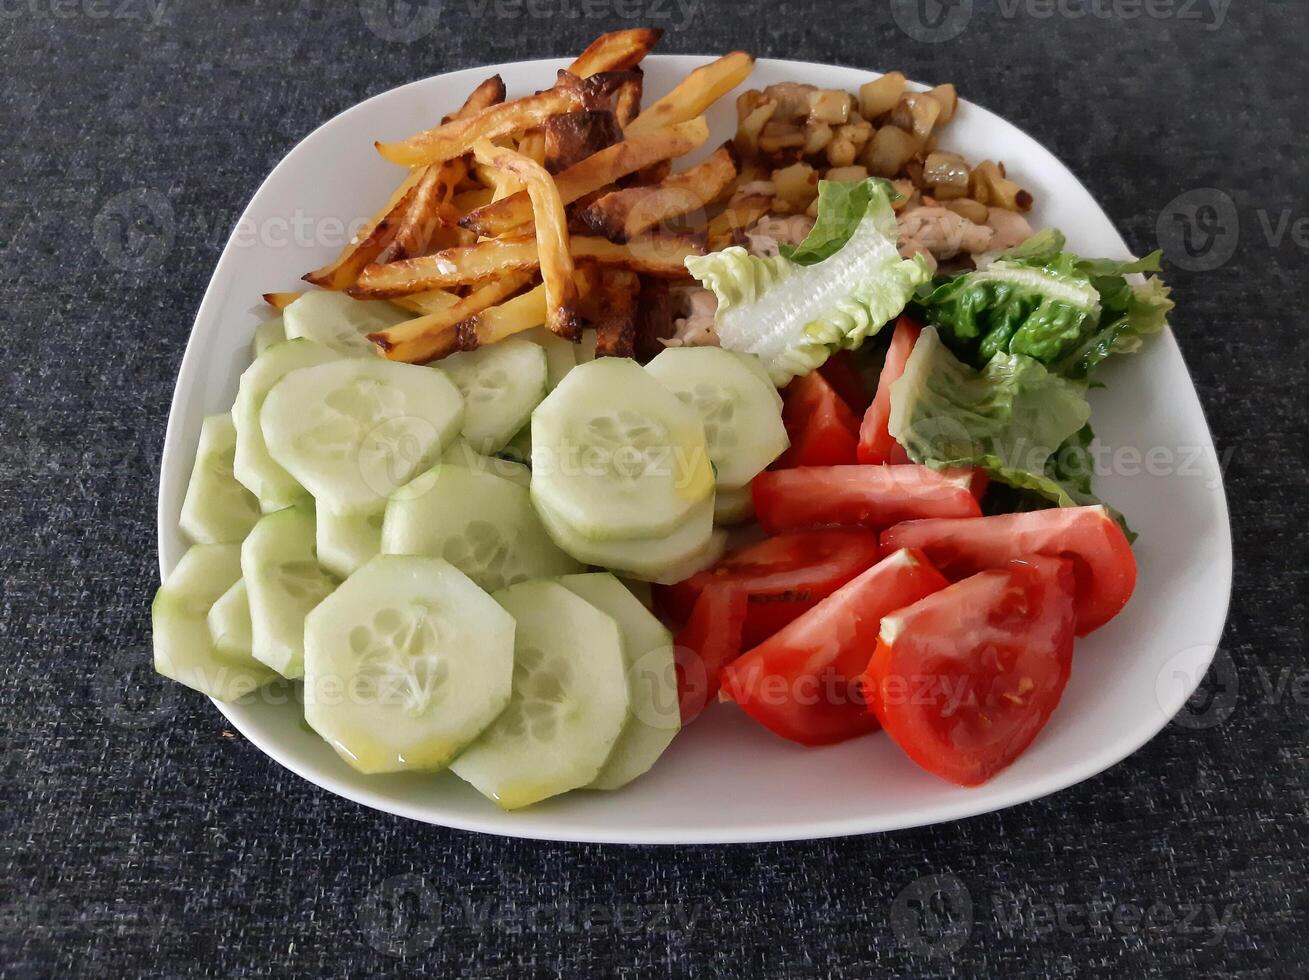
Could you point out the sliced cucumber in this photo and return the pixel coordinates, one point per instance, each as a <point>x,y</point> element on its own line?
<point>569,704</point>
<point>217,509</point>
<point>742,420</point>
<point>483,525</point>
<point>644,558</point>
<point>405,664</point>
<point>706,557</point>
<point>501,384</point>
<point>756,364</point>
<point>462,454</point>
<point>183,649</point>
<point>733,506</point>
<point>560,355</point>
<point>519,448</point>
<point>268,333</point>
<point>340,322</point>
<point>617,455</point>
<point>252,465</point>
<point>229,622</point>
<point>352,431</point>
<point>347,541</point>
<point>655,717</point>
<point>284,580</point>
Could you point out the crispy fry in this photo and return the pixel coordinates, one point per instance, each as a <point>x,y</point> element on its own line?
<point>532,145</point>
<point>654,255</point>
<point>280,301</point>
<point>654,318</point>
<point>696,92</point>
<point>615,51</point>
<point>592,174</point>
<point>615,320</point>
<point>621,215</point>
<point>488,93</point>
<point>431,301</point>
<point>498,322</point>
<point>728,227</point>
<point>556,260</point>
<point>456,137</point>
<point>371,240</point>
<point>574,136</point>
<point>471,200</point>
<point>428,211</point>
<point>627,100</point>
<point>434,335</point>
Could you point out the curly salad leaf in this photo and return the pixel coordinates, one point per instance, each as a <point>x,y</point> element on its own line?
<point>839,286</point>
<point>1043,302</point>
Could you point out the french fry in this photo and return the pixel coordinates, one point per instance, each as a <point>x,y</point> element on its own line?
<point>457,137</point>
<point>661,255</point>
<point>488,93</point>
<point>430,301</point>
<point>592,174</point>
<point>654,318</point>
<point>427,212</point>
<point>434,335</point>
<point>627,100</point>
<point>495,323</point>
<point>729,225</point>
<point>532,145</point>
<point>280,301</point>
<point>571,138</point>
<point>624,214</point>
<point>695,93</point>
<point>616,51</point>
<point>615,320</point>
<point>551,223</point>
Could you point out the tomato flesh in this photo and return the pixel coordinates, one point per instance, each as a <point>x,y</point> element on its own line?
<point>876,444</point>
<point>710,641</point>
<point>1103,563</point>
<point>823,429</point>
<point>804,682</point>
<point>782,576</point>
<point>868,496</point>
<point>840,372</point>
<point>966,678</point>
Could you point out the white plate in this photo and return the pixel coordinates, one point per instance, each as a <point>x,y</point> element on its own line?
<point>727,779</point>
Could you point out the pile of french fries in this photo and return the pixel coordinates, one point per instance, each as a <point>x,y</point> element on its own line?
<point>558,208</point>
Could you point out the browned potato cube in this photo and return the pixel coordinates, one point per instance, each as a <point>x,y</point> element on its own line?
<point>888,151</point>
<point>881,95</point>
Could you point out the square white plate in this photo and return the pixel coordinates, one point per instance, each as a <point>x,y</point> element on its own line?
<point>725,778</point>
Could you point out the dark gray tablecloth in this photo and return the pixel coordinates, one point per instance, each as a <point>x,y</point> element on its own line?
<point>141,838</point>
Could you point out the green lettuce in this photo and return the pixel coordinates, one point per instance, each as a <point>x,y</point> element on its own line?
<point>1043,302</point>
<point>841,285</point>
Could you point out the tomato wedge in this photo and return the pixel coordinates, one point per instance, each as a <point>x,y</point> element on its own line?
<point>1103,563</point>
<point>869,496</point>
<point>782,576</point>
<point>840,372</point>
<point>804,683</point>
<point>964,679</point>
<point>875,442</point>
<point>710,641</point>
<point>823,429</point>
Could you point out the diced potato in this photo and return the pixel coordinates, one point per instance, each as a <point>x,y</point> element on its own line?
<point>888,151</point>
<point>797,184</point>
<point>881,95</point>
<point>850,175</point>
<point>841,152</point>
<point>966,207</point>
<point>830,105</point>
<point>916,112</point>
<point>943,169</point>
<point>989,185</point>
<point>747,133</point>
<point>817,136</point>
<point>949,99</point>
<point>779,135</point>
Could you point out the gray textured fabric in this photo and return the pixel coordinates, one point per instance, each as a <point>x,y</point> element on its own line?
<point>140,838</point>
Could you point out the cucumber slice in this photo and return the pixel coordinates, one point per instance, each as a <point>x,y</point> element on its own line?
<point>655,717</point>
<point>756,364</point>
<point>340,322</point>
<point>569,704</point>
<point>519,448</point>
<point>284,581</point>
<point>742,421</point>
<point>353,431</point>
<point>183,649</point>
<point>229,621</point>
<point>644,558</point>
<point>706,557</point>
<point>405,664</point>
<point>217,509</point>
<point>560,355</point>
<point>268,333</point>
<point>462,454</point>
<point>483,525</point>
<point>733,506</point>
<point>617,455</point>
<point>501,384</point>
<point>347,541</point>
<point>252,465</point>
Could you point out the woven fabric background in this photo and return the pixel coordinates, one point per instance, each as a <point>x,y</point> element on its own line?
<point>139,837</point>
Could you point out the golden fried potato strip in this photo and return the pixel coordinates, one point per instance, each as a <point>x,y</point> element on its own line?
<point>696,92</point>
<point>624,214</point>
<point>616,51</point>
<point>434,335</point>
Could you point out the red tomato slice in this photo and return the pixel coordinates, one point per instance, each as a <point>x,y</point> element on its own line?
<point>870,496</point>
<point>964,680</point>
<point>840,372</point>
<point>875,442</point>
<point>803,683</point>
<point>709,642</point>
<point>783,576</point>
<point>823,429</point>
<point>1103,563</point>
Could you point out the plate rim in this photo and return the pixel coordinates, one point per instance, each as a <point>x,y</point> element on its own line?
<point>812,829</point>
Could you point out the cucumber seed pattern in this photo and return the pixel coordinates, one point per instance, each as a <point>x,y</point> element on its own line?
<point>303,580</point>
<point>626,444</point>
<point>482,384</point>
<point>402,658</point>
<point>716,406</point>
<point>353,411</point>
<point>539,698</point>
<point>483,554</point>
<point>220,467</point>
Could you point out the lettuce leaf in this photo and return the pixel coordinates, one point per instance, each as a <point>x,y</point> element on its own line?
<point>794,315</point>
